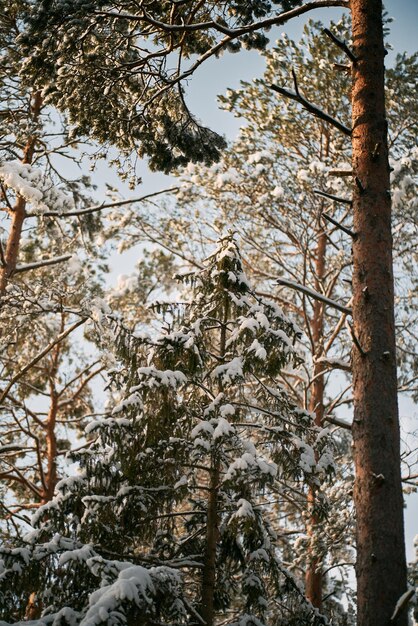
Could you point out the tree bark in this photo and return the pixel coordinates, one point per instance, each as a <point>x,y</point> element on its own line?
<point>19,210</point>
<point>314,575</point>
<point>381,566</point>
<point>212,535</point>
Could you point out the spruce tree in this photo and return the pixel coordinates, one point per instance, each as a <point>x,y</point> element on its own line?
<point>168,520</point>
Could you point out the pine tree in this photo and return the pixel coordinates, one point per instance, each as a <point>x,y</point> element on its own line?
<point>169,517</point>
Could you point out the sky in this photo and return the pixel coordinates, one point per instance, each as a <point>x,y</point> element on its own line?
<point>213,78</point>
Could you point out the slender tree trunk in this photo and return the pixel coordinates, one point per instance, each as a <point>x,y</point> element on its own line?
<point>314,575</point>
<point>18,213</point>
<point>212,535</point>
<point>51,448</point>
<point>207,610</point>
<point>381,567</point>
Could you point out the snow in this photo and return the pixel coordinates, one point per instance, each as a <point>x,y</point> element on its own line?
<point>82,555</point>
<point>226,409</point>
<point>245,509</point>
<point>202,426</point>
<point>278,192</point>
<point>30,183</point>
<point>259,350</point>
<point>169,378</point>
<point>135,585</point>
<point>229,371</point>
<point>223,429</point>
<point>258,156</point>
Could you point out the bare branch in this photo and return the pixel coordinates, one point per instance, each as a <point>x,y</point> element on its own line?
<point>43,263</point>
<point>331,196</point>
<point>100,207</point>
<point>338,422</point>
<point>39,356</point>
<point>317,112</point>
<point>314,294</point>
<point>340,172</point>
<point>346,230</point>
<point>341,44</point>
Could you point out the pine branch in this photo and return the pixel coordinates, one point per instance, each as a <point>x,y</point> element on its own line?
<point>341,44</point>
<point>314,294</point>
<point>331,196</point>
<point>340,423</point>
<point>346,230</point>
<point>38,357</point>
<point>100,207</point>
<point>401,604</point>
<point>316,111</point>
<point>32,266</point>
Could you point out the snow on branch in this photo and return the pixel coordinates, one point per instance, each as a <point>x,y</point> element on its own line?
<point>29,183</point>
<point>334,363</point>
<point>314,294</point>
<point>316,111</point>
<point>401,604</point>
<point>100,207</point>
<point>43,263</point>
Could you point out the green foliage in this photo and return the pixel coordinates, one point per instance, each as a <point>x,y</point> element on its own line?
<point>108,66</point>
<point>200,423</point>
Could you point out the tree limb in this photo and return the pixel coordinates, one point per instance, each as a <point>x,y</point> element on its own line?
<point>100,207</point>
<point>38,357</point>
<point>314,294</point>
<point>317,112</point>
<point>341,44</point>
<point>43,263</point>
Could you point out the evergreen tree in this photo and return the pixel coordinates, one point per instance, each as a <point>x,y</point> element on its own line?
<point>168,520</point>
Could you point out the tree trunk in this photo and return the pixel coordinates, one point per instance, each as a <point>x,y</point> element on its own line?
<point>19,210</point>
<point>381,566</point>
<point>209,568</point>
<point>314,576</point>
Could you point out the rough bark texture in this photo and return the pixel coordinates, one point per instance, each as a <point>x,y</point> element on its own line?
<point>18,213</point>
<point>314,575</point>
<point>381,567</point>
<point>212,535</point>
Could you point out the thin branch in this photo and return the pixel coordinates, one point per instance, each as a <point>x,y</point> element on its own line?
<point>2,257</point>
<point>331,196</point>
<point>336,422</point>
<point>43,263</point>
<point>341,44</point>
<point>314,294</point>
<point>355,339</point>
<point>340,172</point>
<point>263,24</point>
<point>100,207</point>
<point>317,112</point>
<point>38,357</point>
<point>345,230</point>
<point>232,33</point>
<point>401,604</point>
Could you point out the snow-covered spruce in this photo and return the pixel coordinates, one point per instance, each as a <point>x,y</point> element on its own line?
<point>170,520</point>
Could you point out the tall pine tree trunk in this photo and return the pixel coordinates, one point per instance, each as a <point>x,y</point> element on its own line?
<point>314,575</point>
<point>381,567</point>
